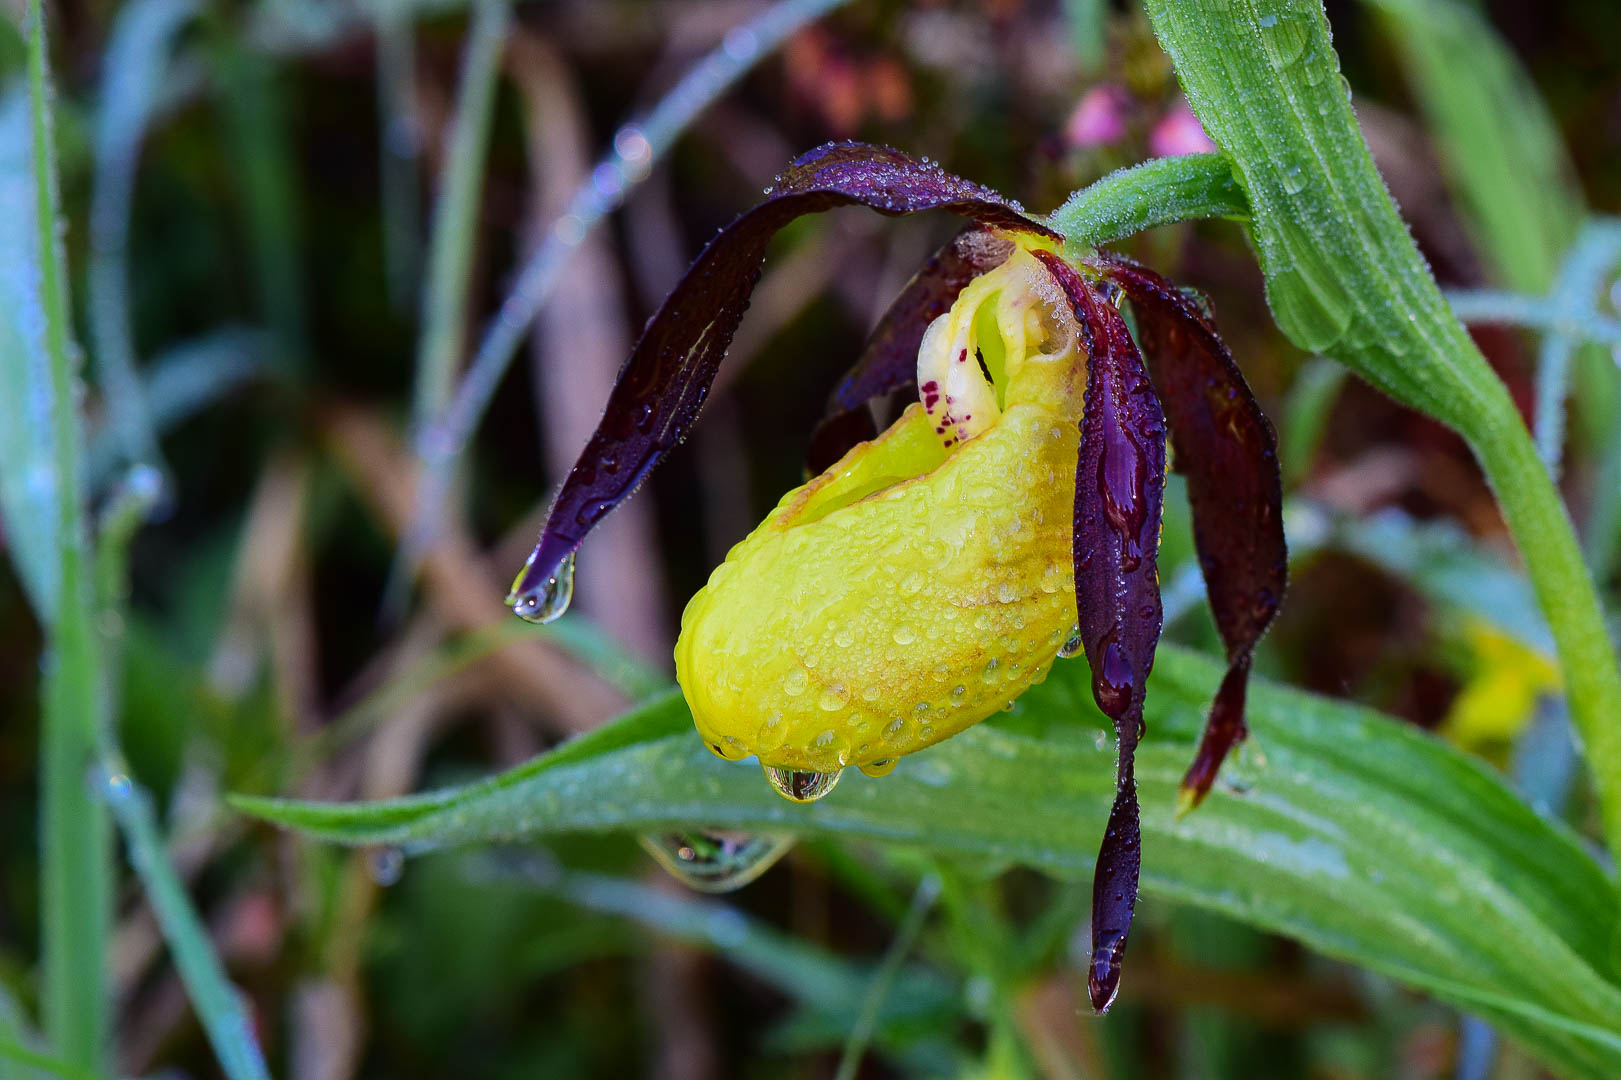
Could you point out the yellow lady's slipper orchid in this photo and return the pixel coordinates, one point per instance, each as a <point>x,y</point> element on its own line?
<point>924,581</point>
<point>932,573</point>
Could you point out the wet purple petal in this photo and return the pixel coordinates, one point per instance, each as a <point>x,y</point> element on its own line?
<point>1119,488</point>
<point>1227,449</point>
<point>889,362</point>
<point>663,385</point>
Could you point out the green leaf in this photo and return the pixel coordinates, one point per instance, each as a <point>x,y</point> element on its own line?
<point>28,482</point>
<point>1341,270</point>
<point>1344,278</point>
<point>1156,192</point>
<point>1360,836</point>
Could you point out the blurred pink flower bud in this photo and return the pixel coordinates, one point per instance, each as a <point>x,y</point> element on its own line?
<point>1179,132</point>
<point>1099,117</point>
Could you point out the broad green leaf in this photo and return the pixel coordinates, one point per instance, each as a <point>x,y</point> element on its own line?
<point>1343,276</point>
<point>1360,836</point>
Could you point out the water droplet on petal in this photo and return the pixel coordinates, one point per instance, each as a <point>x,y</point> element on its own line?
<point>716,860</point>
<point>730,748</point>
<point>880,768</point>
<point>543,604</point>
<point>1103,980</point>
<point>1073,644</point>
<point>801,787</point>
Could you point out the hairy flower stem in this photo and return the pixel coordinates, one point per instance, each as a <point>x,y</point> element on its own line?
<point>1344,278</point>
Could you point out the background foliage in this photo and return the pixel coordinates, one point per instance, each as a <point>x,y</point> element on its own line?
<point>287,227</point>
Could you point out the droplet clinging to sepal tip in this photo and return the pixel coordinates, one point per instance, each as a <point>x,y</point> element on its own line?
<point>542,600</point>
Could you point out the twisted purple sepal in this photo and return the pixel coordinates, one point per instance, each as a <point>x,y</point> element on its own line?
<point>1119,492</point>
<point>1226,448</point>
<point>663,384</point>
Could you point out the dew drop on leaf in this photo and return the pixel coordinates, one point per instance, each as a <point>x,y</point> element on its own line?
<point>716,860</point>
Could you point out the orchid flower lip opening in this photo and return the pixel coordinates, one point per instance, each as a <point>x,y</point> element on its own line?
<point>930,573</point>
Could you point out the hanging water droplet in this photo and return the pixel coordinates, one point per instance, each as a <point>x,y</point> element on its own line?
<point>1103,978</point>
<point>385,865</point>
<point>716,860</point>
<point>802,787</point>
<point>1073,644</point>
<point>544,603</point>
<point>880,768</point>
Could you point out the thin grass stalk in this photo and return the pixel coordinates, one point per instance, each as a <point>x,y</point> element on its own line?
<point>76,853</point>
<point>455,220</point>
<point>220,1007</point>
<point>637,146</point>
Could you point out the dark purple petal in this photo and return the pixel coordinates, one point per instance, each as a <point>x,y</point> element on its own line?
<point>663,384</point>
<point>1226,448</point>
<point>889,362</point>
<point>1119,489</point>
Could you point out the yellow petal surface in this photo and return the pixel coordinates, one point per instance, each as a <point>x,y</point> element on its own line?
<point>840,635</point>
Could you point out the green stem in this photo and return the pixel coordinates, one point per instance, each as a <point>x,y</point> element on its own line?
<point>1158,192</point>
<point>1344,278</point>
<point>77,853</point>
<point>1541,528</point>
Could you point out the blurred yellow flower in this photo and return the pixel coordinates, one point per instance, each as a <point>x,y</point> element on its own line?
<point>1500,694</point>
